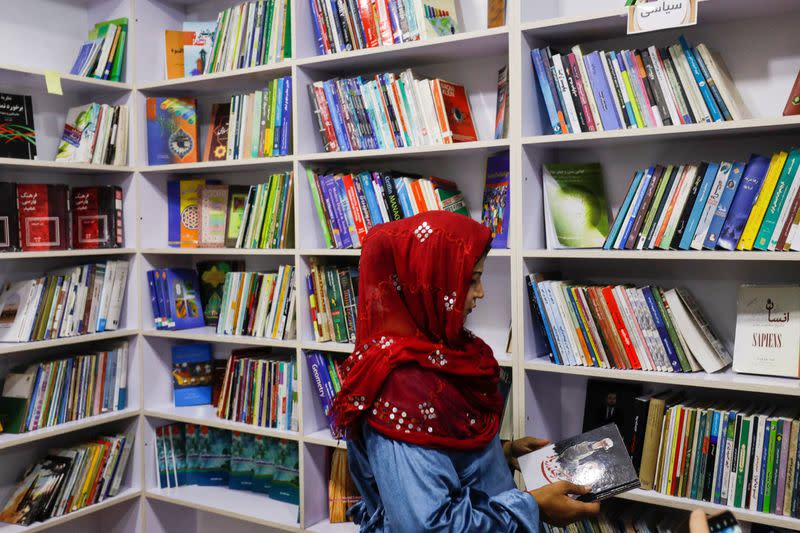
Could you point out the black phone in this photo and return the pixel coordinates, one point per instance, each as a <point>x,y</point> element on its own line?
<point>724,523</point>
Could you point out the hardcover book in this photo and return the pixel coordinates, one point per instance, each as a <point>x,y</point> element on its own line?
<point>43,216</point>
<point>9,217</point>
<point>495,215</point>
<point>94,216</point>
<point>17,134</point>
<point>597,458</point>
<point>792,104</point>
<point>171,130</point>
<point>191,374</point>
<point>217,138</point>
<point>576,212</point>
<point>768,330</point>
<point>611,402</point>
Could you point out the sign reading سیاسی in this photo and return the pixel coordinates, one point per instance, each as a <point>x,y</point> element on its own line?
<point>661,14</point>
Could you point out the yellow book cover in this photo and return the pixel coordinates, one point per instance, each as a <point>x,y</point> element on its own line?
<point>673,450</point>
<point>86,478</point>
<point>278,302</point>
<point>269,136</point>
<point>750,232</point>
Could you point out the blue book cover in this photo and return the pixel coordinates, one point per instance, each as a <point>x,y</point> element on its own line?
<point>350,222</point>
<point>721,213</point>
<point>163,298</point>
<point>325,196</point>
<point>183,288</point>
<point>712,85</point>
<point>402,195</point>
<point>558,99</point>
<point>286,113</point>
<point>637,204</point>
<point>317,29</point>
<point>285,485</point>
<point>276,137</point>
<point>177,433</point>
<point>213,455</point>
<point>171,130</point>
<point>110,378</point>
<point>603,95</point>
<point>544,90</point>
<point>616,226</point>
<point>191,374</point>
<point>661,327</point>
<point>538,311</point>
<point>746,195</point>
<point>708,98</point>
<point>699,205</point>
<point>320,377</point>
<point>333,193</point>
<point>263,463</point>
<point>336,117</point>
<point>369,194</point>
<point>242,461</point>
<point>495,213</point>
<point>65,397</point>
<point>174,213</point>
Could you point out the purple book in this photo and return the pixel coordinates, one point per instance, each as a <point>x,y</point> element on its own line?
<point>335,208</point>
<point>746,194</point>
<point>603,95</point>
<point>496,202</point>
<point>787,431</point>
<point>321,381</point>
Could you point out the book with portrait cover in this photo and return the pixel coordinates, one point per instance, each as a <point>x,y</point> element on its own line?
<point>597,458</point>
<point>17,135</point>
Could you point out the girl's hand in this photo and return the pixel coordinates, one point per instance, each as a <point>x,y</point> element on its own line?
<point>517,448</point>
<point>558,508</point>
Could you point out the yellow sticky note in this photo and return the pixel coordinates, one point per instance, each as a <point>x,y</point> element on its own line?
<point>53,81</point>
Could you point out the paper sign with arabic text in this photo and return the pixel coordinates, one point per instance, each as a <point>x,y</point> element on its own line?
<point>661,14</point>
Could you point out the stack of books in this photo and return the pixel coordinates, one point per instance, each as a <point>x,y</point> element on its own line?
<point>333,299</point>
<point>207,214</point>
<point>258,304</point>
<point>743,456</point>
<point>259,390</point>
<point>343,26</point>
<point>96,134</point>
<point>43,217</point>
<point>69,479</point>
<point>64,303</point>
<point>350,204</point>
<point>103,55</point>
<point>324,372</point>
<point>643,88</point>
<point>751,205</point>
<point>188,454</point>
<point>390,111</point>
<point>54,392</point>
<point>618,326</point>
<point>253,125</point>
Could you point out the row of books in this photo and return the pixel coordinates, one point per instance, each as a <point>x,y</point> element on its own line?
<point>628,517</point>
<point>206,214</point>
<point>260,389</point>
<point>253,125</point>
<point>54,392</point>
<point>643,88</point>
<point>65,302</point>
<point>390,111</point>
<point>741,456</point>
<point>618,326</point>
<point>38,217</point>
<point>189,454</point>
<point>355,25</point>
<point>751,205</point>
<point>95,133</point>
<point>69,479</point>
<point>350,204</point>
<point>333,302</point>
<point>258,304</point>
<point>103,54</point>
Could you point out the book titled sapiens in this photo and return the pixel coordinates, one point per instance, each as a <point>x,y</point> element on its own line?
<point>597,458</point>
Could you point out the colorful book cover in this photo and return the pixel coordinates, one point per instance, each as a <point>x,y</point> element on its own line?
<point>77,140</point>
<point>746,194</point>
<point>197,54</point>
<point>496,204</point>
<point>576,212</point>
<point>17,133</point>
<point>186,214</point>
<point>776,203</point>
<point>212,280</point>
<point>243,452</point>
<point>501,111</point>
<point>458,111</point>
<point>43,216</point>
<point>213,203</point>
<point>171,130</point>
<point>263,463</point>
<point>217,137</point>
<point>191,374</point>
<point>9,217</point>
<point>183,289</point>
<point>174,42</point>
<point>213,456</point>
<point>285,485</point>
<point>237,201</point>
<point>721,213</point>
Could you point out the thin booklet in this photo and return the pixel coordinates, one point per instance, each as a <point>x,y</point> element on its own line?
<point>597,458</point>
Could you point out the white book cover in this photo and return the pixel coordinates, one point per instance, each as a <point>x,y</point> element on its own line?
<point>700,347</point>
<point>768,330</point>
<point>77,139</point>
<point>14,309</point>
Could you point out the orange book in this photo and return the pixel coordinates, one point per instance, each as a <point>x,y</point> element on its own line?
<point>613,343</point>
<point>419,197</point>
<point>441,113</point>
<point>663,228</point>
<point>174,41</point>
<point>457,111</point>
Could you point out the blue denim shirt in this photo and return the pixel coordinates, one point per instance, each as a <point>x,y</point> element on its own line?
<point>411,489</point>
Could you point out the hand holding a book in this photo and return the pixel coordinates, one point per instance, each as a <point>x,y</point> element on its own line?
<point>558,508</point>
<point>517,448</point>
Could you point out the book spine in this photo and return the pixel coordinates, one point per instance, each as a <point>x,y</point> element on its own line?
<point>581,87</point>
<point>545,90</point>
<point>694,67</point>
<point>603,96</point>
<point>712,86</point>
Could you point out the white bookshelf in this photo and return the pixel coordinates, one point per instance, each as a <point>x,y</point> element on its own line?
<point>44,35</point>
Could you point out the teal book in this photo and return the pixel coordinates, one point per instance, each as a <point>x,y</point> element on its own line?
<point>779,198</point>
<point>242,461</point>
<point>263,463</point>
<point>576,211</point>
<point>286,480</point>
<point>213,456</point>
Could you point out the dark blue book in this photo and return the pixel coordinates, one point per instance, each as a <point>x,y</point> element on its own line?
<point>191,374</point>
<point>746,194</point>
<point>286,127</point>
<point>721,213</point>
<point>661,327</point>
<point>183,293</point>
<point>496,202</point>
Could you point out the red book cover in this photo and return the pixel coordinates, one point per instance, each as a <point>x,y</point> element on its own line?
<point>118,233</point>
<point>43,218</point>
<point>325,118</point>
<point>352,199</point>
<point>621,329</point>
<point>579,84</point>
<point>368,23</point>
<point>457,109</point>
<point>793,103</point>
<point>94,216</point>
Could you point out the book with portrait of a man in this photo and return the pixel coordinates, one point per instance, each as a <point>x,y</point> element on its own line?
<point>597,458</point>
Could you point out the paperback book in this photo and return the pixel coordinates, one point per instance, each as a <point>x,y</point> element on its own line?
<point>575,208</point>
<point>17,132</point>
<point>191,374</point>
<point>96,134</point>
<point>496,202</point>
<point>171,130</point>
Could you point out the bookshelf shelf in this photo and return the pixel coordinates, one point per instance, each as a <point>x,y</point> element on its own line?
<point>208,334</point>
<point>99,252</point>
<point>9,440</point>
<point>334,347</point>
<point>662,255</point>
<point>218,82</point>
<point>34,80</point>
<point>241,505</point>
<point>7,348</point>
<point>326,527</point>
<point>206,415</point>
<point>218,166</point>
<point>479,147</point>
<point>25,165</point>
<point>646,496</point>
<point>331,252</point>
<point>222,252</point>
<point>323,438</point>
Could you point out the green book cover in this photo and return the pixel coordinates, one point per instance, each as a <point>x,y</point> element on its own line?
<point>452,200</point>
<point>673,334</point>
<point>312,185</point>
<point>576,211</point>
<point>773,435</point>
<point>287,32</point>
<point>286,481</point>
<point>779,197</point>
<point>119,57</point>
<point>268,33</point>
<point>242,461</point>
<point>744,451</point>
<point>775,476</point>
<point>335,302</point>
<point>269,205</point>
<point>337,385</point>
<point>263,463</point>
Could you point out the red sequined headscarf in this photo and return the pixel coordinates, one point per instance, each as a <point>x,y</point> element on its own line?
<point>416,374</point>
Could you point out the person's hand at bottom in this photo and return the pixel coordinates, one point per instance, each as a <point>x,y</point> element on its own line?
<point>698,522</point>
<point>557,508</point>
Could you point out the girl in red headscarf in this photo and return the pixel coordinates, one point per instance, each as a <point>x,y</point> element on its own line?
<point>420,400</point>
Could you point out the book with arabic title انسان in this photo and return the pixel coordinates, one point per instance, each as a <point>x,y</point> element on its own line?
<point>597,458</point>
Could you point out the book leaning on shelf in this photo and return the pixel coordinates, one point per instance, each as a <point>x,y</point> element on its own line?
<point>103,55</point>
<point>189,454</point>
<point>350,204</point>
<point>17,133</point>
<point>344,26</point>
<point>69,479</point>
<point>626,327</point>
<point>64,303</point>
<point>96,134</point>
<point>647,88</point>
<point>55,392</point>
<point>389,111</point>
<point>260,389</point>
<point>333,301</point>
<point>726,205</point>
